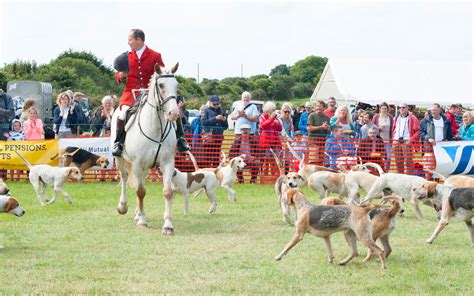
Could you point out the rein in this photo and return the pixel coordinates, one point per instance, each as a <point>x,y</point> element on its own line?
<point>159,108</point>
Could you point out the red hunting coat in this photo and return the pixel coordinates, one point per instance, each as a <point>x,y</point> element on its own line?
<point>269,132</point>
<point>141,71</point>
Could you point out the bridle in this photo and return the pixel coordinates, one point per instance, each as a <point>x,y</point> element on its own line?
<point>161,101</point>
<point>159,108</point>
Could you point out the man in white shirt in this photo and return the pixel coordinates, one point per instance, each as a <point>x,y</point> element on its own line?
<point>436,127</point>
<point>406,133</point>
<point>245,113</point>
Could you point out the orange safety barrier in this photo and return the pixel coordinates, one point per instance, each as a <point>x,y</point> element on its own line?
<point>402,157</point>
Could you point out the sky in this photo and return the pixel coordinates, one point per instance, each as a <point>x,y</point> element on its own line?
<point>234,38</point>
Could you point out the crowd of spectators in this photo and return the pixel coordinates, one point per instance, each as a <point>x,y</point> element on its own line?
<point>321,131</point>
<point>72,116</point>
<point>324,132</point>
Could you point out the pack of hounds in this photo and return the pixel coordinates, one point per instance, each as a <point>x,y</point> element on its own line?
<point>357,219</point>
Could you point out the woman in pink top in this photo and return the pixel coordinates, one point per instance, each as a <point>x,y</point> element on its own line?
<point>33,127</point>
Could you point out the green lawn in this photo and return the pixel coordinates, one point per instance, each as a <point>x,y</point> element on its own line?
<point>88,248</point>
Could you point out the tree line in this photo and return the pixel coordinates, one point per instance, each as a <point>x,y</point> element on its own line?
<point>83,71</point>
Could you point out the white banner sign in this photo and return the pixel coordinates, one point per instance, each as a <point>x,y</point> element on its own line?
<point>99,146</point>
<point>454,158</point>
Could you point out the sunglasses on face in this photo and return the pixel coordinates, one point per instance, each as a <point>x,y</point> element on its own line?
<point>286,112</point>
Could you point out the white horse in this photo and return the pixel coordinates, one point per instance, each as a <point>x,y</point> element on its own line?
<point>150,140</point>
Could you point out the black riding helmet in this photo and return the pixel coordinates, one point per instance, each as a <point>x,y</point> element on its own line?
<point>121,63</point>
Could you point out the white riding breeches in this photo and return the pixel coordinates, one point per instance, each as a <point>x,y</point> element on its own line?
<point>122,112</point>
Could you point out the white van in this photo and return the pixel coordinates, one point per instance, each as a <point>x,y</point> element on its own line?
<point>231,122</point>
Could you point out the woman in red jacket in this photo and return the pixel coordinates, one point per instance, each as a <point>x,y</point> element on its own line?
<point>270,128</point>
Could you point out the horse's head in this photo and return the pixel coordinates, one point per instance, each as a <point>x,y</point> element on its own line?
<point>166,86</point>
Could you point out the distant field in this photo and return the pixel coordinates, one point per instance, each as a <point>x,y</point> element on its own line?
<point>88,248</point>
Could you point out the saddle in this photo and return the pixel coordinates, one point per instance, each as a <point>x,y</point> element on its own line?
<point>131,112</point>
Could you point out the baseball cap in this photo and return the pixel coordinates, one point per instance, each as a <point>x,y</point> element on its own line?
<point>214,99</point>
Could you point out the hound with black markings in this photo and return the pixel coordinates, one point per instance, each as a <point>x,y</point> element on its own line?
<point>81,158</point>
<point>187,183</point>
<point>9,205</point>
<point>383,220</point>
<point>455,202</point>
<point>323,221</point>
<point>399,184</point>
<point>43,174</point>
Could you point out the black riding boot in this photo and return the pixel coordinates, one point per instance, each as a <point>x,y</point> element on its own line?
<point>119,138</point>
<point>182,144</point>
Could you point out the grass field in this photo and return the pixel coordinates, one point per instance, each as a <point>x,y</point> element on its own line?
<point>88,248</point>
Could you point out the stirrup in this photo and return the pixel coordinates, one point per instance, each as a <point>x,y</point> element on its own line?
<point>117,150</point>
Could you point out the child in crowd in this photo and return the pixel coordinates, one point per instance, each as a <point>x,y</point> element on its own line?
<point>16,134</point>
<point>33,126</point>
<point>338,146</point>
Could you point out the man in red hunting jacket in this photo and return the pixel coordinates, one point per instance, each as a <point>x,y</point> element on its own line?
<point>135,68</point>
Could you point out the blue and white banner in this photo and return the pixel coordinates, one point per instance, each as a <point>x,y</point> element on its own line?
<point>454,158</point>
<point>99,146</point>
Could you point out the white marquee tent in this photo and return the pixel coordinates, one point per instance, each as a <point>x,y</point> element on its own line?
<point>395,81</point>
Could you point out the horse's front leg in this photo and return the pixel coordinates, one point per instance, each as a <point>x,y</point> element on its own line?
<point>168,228</point>
<point>122,207</point>
<point>139,176</point>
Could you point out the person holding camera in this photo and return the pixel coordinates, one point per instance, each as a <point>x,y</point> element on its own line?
<point>214,123</point>
<point>406,133</point>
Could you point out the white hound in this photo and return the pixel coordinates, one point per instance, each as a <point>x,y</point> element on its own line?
<point>187,183</point>
<point>43,174</point>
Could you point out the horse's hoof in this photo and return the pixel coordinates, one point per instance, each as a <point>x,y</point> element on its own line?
<point>122,209</point>
<point>143,226</point>
<point>167,231</point>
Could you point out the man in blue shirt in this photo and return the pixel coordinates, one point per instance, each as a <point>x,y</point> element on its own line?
<point>302,125</point>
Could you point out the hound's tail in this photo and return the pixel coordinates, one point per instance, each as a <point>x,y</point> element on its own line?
<point>191,156</point>
<point>375,165</point>
<point>442,177</point>
<point>223,161</point>
<point>301,163</point>
<point>293,152</point>
<point>278,162</point>
<point>24,160</point>
<point>342,168</point>
<point>396,204</point>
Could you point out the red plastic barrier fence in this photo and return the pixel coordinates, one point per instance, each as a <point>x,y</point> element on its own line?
<point>402,157</point>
